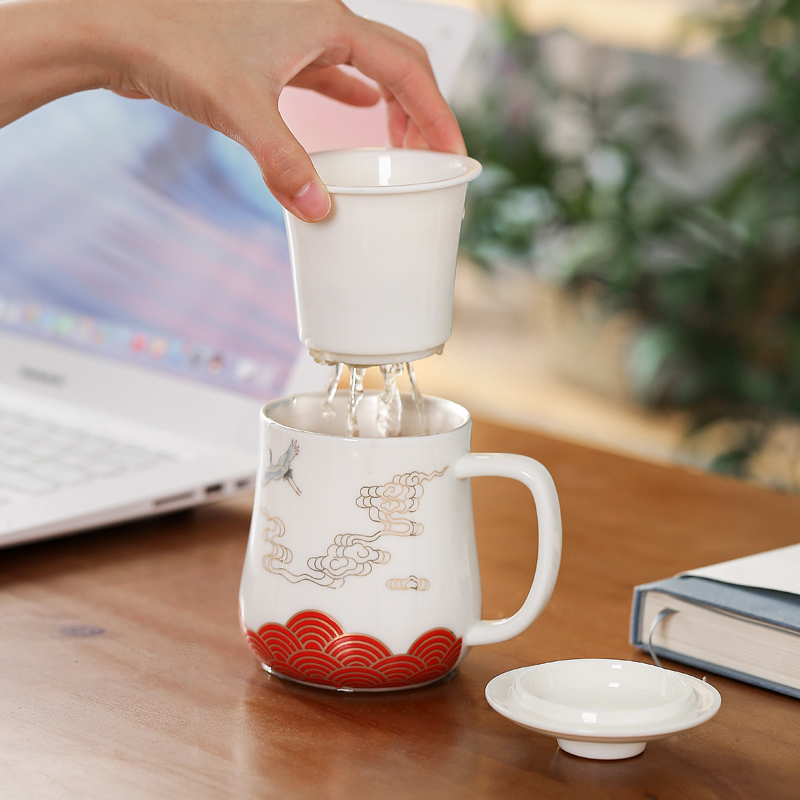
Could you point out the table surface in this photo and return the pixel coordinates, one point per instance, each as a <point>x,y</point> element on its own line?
<point>124,674</point>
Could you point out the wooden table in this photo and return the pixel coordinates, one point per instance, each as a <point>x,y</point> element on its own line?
<point>123,673</point>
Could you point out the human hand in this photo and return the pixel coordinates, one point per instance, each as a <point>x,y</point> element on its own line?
<point>225,62</point>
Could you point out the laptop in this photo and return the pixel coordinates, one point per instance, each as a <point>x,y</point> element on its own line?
<point>146,301</point>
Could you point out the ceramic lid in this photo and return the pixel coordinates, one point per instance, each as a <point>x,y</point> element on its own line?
<point>602,708</point>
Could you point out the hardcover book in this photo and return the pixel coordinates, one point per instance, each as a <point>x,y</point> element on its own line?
<point>712,620</point>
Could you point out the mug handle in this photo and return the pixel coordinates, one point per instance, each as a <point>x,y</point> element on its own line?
<point>540,483</point>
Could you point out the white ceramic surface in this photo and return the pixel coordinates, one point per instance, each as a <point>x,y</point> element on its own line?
<point>373,539</point>
<point>602,708</point>
<point>374,281</point>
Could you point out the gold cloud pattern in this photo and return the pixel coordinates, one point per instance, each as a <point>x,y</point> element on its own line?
<point>353,554</point>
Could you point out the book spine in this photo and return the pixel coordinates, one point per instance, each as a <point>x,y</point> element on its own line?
<point>636,613</point>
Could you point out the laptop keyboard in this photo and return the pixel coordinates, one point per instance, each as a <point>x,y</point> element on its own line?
<point>39,456</point>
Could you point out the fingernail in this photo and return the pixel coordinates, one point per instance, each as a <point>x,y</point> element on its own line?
<point>312,202</point>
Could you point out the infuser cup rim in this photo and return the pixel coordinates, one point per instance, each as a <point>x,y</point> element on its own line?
<point>459,415</point>
<point>470,169</point>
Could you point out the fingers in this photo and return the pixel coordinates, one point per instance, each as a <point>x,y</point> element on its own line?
<point>338,85</point>
<point>286,168</point>
<point>400,64</point>
<point>396,120</point>
<point>418,115</point>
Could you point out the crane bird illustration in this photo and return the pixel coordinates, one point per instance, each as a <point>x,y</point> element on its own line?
<point>282,469</point>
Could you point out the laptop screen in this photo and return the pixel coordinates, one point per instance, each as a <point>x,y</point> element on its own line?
<point>133,232</point>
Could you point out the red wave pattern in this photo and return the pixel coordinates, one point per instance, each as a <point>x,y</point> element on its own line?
<point>313,648</point>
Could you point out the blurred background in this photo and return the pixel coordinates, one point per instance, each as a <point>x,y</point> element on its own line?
<point>629,273</point>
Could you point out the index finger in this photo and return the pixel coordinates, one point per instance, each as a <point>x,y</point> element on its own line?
<point>400,64</point>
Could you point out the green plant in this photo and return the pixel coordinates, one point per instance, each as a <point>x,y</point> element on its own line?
<point>558,154</point>
<point>715,282</point>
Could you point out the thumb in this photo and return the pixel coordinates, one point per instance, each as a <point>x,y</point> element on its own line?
<point>287,170</point>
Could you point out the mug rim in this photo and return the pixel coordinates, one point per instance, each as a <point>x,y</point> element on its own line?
<point>472,169</point>
<point>457,408</point>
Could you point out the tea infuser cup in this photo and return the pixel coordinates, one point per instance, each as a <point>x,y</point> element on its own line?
<point>374,280</point>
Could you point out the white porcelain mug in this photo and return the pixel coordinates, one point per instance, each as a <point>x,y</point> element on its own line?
<point>374,280</point>
<point>361,570</point>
